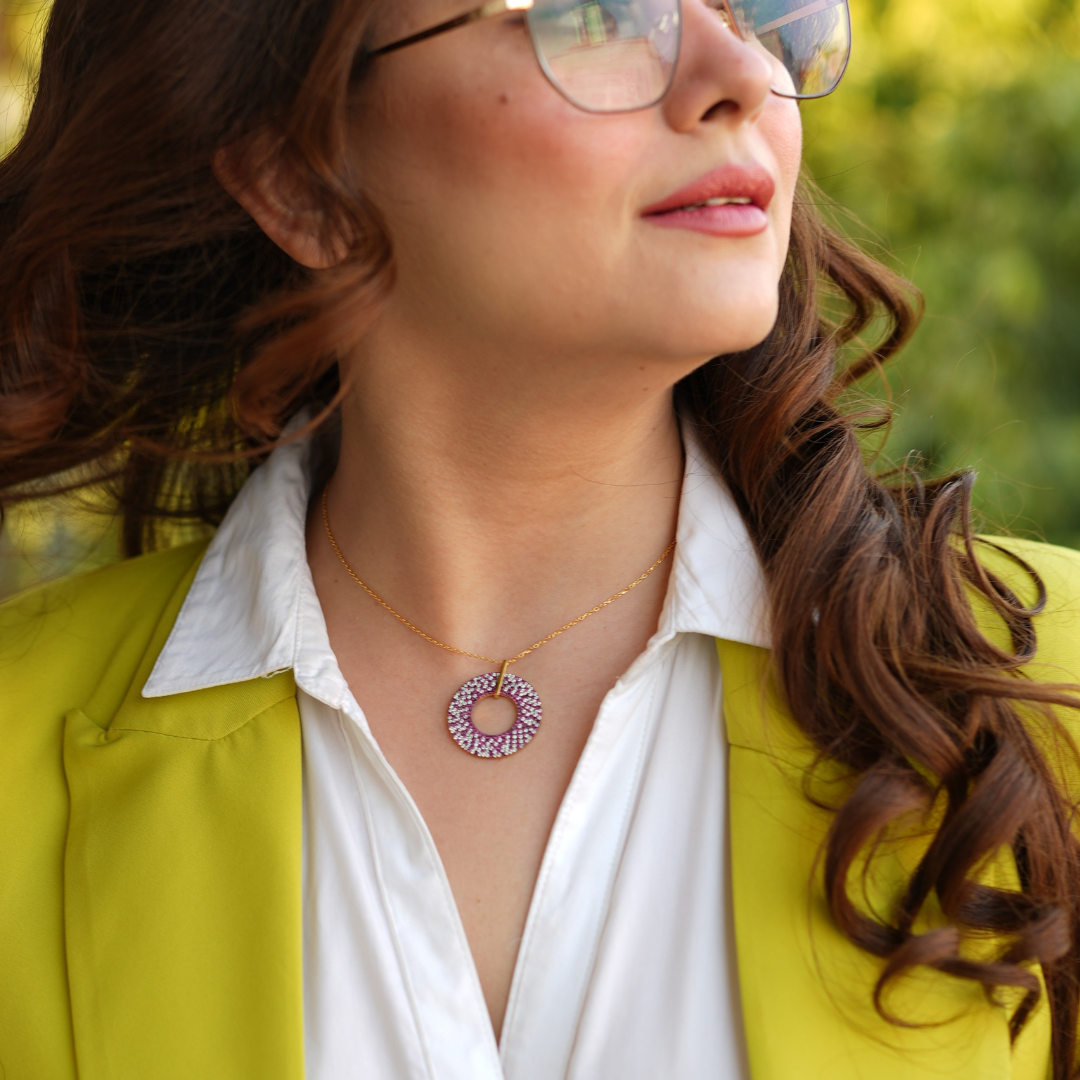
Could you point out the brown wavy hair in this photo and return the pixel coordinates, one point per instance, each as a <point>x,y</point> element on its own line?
<point>153,340</point>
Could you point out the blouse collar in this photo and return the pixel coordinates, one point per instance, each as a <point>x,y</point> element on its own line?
<point>252,609</point>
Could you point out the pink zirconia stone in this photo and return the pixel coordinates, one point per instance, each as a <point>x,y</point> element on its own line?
<point>471,739</point>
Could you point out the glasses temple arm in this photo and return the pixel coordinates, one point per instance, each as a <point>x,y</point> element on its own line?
<point>484,11</point>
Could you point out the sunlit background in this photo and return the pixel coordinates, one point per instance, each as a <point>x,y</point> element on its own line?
<point>955,143</point>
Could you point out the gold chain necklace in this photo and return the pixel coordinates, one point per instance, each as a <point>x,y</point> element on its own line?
<point>492,683</point>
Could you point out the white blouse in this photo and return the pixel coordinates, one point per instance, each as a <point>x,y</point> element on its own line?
<point>626,969</point>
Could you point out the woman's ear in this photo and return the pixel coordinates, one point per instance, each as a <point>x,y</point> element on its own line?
<point>257,176</point>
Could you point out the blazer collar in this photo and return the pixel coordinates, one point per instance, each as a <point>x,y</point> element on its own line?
<point>182,877</point>
<point>806,991</point>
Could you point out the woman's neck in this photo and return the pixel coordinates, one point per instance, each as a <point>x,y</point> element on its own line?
<point>490,502</point>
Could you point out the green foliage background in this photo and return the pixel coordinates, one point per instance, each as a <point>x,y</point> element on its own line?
<point>955,142</point>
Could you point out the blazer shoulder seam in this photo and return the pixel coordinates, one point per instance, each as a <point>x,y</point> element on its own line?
<point>291,695</point>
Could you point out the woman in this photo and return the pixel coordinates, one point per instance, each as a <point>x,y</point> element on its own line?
<point>561,697</point>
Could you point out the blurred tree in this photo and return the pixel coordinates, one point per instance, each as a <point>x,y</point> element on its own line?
<point>956,140</point>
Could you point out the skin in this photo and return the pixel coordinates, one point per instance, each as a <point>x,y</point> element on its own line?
<point>510,455</point>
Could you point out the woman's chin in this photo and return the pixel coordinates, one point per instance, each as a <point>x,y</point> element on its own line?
<point>710,335</point>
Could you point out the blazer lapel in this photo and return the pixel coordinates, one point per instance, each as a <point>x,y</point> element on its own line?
<point>806,991</point>
<point>182,881</point>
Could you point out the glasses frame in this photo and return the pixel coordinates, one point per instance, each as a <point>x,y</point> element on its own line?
<point>818,5</point>
<point>493,8</point>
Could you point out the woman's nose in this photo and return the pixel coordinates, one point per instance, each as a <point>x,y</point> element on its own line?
<point>718,74</point>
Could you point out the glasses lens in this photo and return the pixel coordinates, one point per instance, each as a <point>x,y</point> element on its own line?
<point>808,41</point>
<point>607,55</point>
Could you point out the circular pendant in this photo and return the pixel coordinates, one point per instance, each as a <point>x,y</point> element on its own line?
<point>471,739</point>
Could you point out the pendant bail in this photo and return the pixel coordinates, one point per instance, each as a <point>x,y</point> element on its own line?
<point>502,675</point>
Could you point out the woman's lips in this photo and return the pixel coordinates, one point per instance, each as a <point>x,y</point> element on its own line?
<point>729,201</point>
<point>731,220</point>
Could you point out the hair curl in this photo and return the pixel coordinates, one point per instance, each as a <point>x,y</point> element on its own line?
<point>153,340</point>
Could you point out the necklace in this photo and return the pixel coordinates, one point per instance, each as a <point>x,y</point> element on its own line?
<point>501,683</point>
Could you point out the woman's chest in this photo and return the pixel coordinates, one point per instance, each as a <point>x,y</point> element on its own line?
<point>592,911</point>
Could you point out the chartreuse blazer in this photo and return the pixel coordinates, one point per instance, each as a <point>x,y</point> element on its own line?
<point>150,863</point>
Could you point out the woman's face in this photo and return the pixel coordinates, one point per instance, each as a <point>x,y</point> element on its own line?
<point>527,224</point>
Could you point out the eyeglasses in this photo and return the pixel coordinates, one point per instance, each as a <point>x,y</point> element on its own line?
<point>609,56</point>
